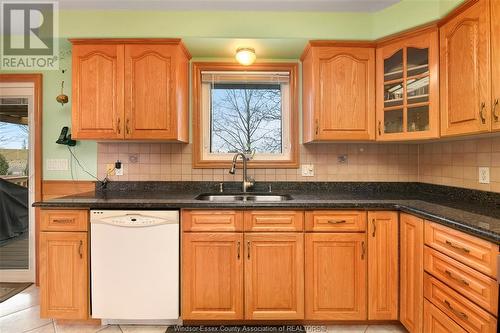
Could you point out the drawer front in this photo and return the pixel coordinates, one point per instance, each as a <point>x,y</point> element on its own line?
<point>336,220</point>
<point>472,251</point>
<point>64,220</point>
<point>282,220</point>
<point>435,321</point>
<point>461,310</point>
<point>476,286</point>
<point>212,220</point>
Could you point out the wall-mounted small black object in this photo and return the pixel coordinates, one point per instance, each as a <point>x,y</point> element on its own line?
<point>65,139</point>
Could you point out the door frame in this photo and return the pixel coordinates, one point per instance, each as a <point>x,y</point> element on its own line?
<point>37,80</point>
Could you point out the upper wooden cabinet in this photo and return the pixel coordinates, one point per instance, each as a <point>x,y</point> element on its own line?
<point>338,100</point>
<point>130,89</point>
<point>408,86</point>
<point>465,71</point>
<point>495,70</point>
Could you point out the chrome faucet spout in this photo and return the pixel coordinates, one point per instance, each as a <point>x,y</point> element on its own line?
<point>247,182</point>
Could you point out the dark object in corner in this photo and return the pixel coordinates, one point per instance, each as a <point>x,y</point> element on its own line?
<point>13,211</point>
<point>65,139</point>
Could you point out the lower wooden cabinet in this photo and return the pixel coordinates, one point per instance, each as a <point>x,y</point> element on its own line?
<point>383,265</point>
<point>335,276</point>
<point>411,252</point>
<point>274,276</point>
<point>63,275</point>
<point>212,284</point>
<point>435,321</point>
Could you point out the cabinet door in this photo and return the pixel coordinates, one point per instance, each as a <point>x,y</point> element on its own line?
<point>382,265</point>
<point>149,92</point>
<point>212,276</point>
<point>335,281</point>
<point>465,72</point>
<point>274,276</point>
<point>495,70</point>
<point>63,275</point>
<point>435,321</point>
<point>408,88</point>
<point>411,272</point>
<point>345,103</point>
<point>97,106</point>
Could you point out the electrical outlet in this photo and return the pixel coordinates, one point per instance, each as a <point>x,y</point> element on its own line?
<point>57,164</point>
<point>110,169</point>
<point>484,175</point>
<point>119,171</point>
<point>308,170</point>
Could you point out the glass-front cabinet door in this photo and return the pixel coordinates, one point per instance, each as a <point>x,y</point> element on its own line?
<point>407,87</point>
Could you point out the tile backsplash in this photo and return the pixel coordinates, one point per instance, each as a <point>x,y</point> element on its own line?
<point>453,163</point>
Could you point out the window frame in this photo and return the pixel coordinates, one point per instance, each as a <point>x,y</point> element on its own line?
<point>200,159</point>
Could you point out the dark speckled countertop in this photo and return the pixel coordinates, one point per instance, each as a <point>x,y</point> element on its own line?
<point>474,212</point>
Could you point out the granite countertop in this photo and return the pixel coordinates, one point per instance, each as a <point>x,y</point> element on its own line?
<point>474,212</point>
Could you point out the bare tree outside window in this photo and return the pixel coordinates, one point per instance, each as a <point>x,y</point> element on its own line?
<point>246,117</point>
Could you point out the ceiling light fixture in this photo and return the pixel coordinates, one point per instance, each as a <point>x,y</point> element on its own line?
<point>245,56</point>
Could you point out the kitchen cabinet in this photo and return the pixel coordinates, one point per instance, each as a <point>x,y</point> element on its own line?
<point>274,276</point>
<point>435,321</point>
<point>63,267</point>
<point>212,284</point>
<point>411,270</point>
<point>383,265</point>
<point>408,86</point>
<point>335,276</point>
<point>130,89</point>
<point>465,80</point>
<point>495,69</point>
<point>338,91</point>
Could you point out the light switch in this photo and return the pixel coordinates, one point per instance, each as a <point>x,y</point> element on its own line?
<point>56,164</point>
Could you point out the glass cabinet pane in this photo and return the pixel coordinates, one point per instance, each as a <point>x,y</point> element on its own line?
<point>393,94</point>
<point>417,61</point>
<point>418,119</point>
<point>393,67</point>
<point>393,121</point>
<point>417,90</point>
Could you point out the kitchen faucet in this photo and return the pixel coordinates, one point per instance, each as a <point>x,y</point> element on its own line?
<point>247,182</point>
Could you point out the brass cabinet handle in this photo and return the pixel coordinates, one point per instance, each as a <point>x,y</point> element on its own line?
<point>63,220</point>
<point>80,250</point>
<point>127,128</point>
<point>374,227</point>
<point>481,112</point>
<point>379,127</point>
<point>317,127</point>
<point>458,313</point>
<point>248,250</point>
<point>363,250</point>
<point>238,249</point>
<point>456,278</point>
<point>336,221</point>
<point>118,129</point>
<point>495,113</point>
<point>461,248</point>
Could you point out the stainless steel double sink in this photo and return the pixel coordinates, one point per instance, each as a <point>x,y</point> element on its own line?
<point>239,197</point>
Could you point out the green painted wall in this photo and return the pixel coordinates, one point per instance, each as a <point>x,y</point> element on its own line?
<point>212,35</point>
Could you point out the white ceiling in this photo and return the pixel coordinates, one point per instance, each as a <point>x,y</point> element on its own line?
<point>258,5</point>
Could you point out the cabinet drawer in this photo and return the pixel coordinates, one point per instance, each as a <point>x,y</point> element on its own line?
<point>64,220</point>
<point>461,310</point>
<point>212,220</point>
<point>435,321</point>
<point>272,220</point>
<point>335,220</point>
<point>472,251</point>
<point>476,286</point>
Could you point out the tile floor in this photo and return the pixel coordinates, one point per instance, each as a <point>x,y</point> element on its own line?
<point>20,314</point>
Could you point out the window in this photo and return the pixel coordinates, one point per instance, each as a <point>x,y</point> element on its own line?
<point>242,110</point>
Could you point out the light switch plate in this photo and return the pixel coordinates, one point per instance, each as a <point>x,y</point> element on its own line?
<point>484,175</point>
<point>308,170</point>
<point>57,164</point>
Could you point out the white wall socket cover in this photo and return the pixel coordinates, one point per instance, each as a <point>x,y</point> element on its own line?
<point>119,172</point>
<point>308,170</point>
<point>57,164</point>
<point>484,175</point>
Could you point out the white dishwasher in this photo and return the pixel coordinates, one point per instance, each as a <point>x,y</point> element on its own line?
<point>135,266</point>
